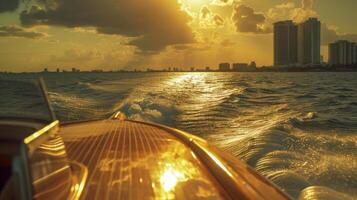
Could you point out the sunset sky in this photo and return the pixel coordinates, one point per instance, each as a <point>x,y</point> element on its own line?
<point>136,34</point>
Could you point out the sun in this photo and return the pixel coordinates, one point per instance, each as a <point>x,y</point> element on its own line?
<point>199,2</point>
<point>195,3</point>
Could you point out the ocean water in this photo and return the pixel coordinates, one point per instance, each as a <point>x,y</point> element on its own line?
<point>297,129</point>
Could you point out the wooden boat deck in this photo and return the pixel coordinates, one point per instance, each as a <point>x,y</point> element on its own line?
<point>130,160</point>
<point>136,160</point>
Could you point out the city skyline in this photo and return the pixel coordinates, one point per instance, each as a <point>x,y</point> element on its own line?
<point>297,43</point>
<point>195,33</point>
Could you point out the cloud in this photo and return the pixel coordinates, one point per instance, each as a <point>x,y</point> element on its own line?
<point>16,31</point>
<point>152,24</point>
<point>292,12</point>
<point>218,20</point>
<point>205,12</point>
<point>303,12</point>
<point>247,20</point>
<point>210,19</point>
<point>86,58</point>
<point>307,4</point>
<point>9,5</point>
<point>227,43</point>
<point>330,34</point>
<point>280,12</point>
<point>349,37</point>
<point>222,2</point>
<point>76,56</point>
<point>192,47</point>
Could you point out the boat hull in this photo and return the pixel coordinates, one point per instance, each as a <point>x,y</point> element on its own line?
<point>136,160</point>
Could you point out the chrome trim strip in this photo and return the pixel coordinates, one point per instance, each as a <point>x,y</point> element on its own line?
<point>77,188</point>
<point>28,141</point>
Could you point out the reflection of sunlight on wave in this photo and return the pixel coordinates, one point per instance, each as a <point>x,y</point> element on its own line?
<point>105,87</point>
<point>203,98</point>
<point>250,124</point>
<point>192,93</point>
<point>322,193</point>
<point>294,159</point>
<point>71,107</point>
<point>69,100</point>
<point>201,89</point>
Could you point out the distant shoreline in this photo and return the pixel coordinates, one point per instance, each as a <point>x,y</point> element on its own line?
<point>256,70</point>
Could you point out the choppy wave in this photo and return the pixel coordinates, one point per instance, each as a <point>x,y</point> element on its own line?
<point>297,129</point>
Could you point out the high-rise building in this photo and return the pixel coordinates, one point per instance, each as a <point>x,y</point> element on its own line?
<point>285,43</point>
<point>240,66</point>
<point>333,53</point>
<point>354,54</point>
<point>297,43</point>
<point>349,53</point>
<point>342,52</point>
<point>223,67</point>
<point>309,42</point>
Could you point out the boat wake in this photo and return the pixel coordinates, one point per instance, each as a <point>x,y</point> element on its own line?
<point>310,155</point>
<point>305,164</point>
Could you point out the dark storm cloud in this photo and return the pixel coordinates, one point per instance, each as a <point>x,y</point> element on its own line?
<point>154,24</point>
<point>9,5</point>
<point>247,20</point>
<point>15,31</point>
